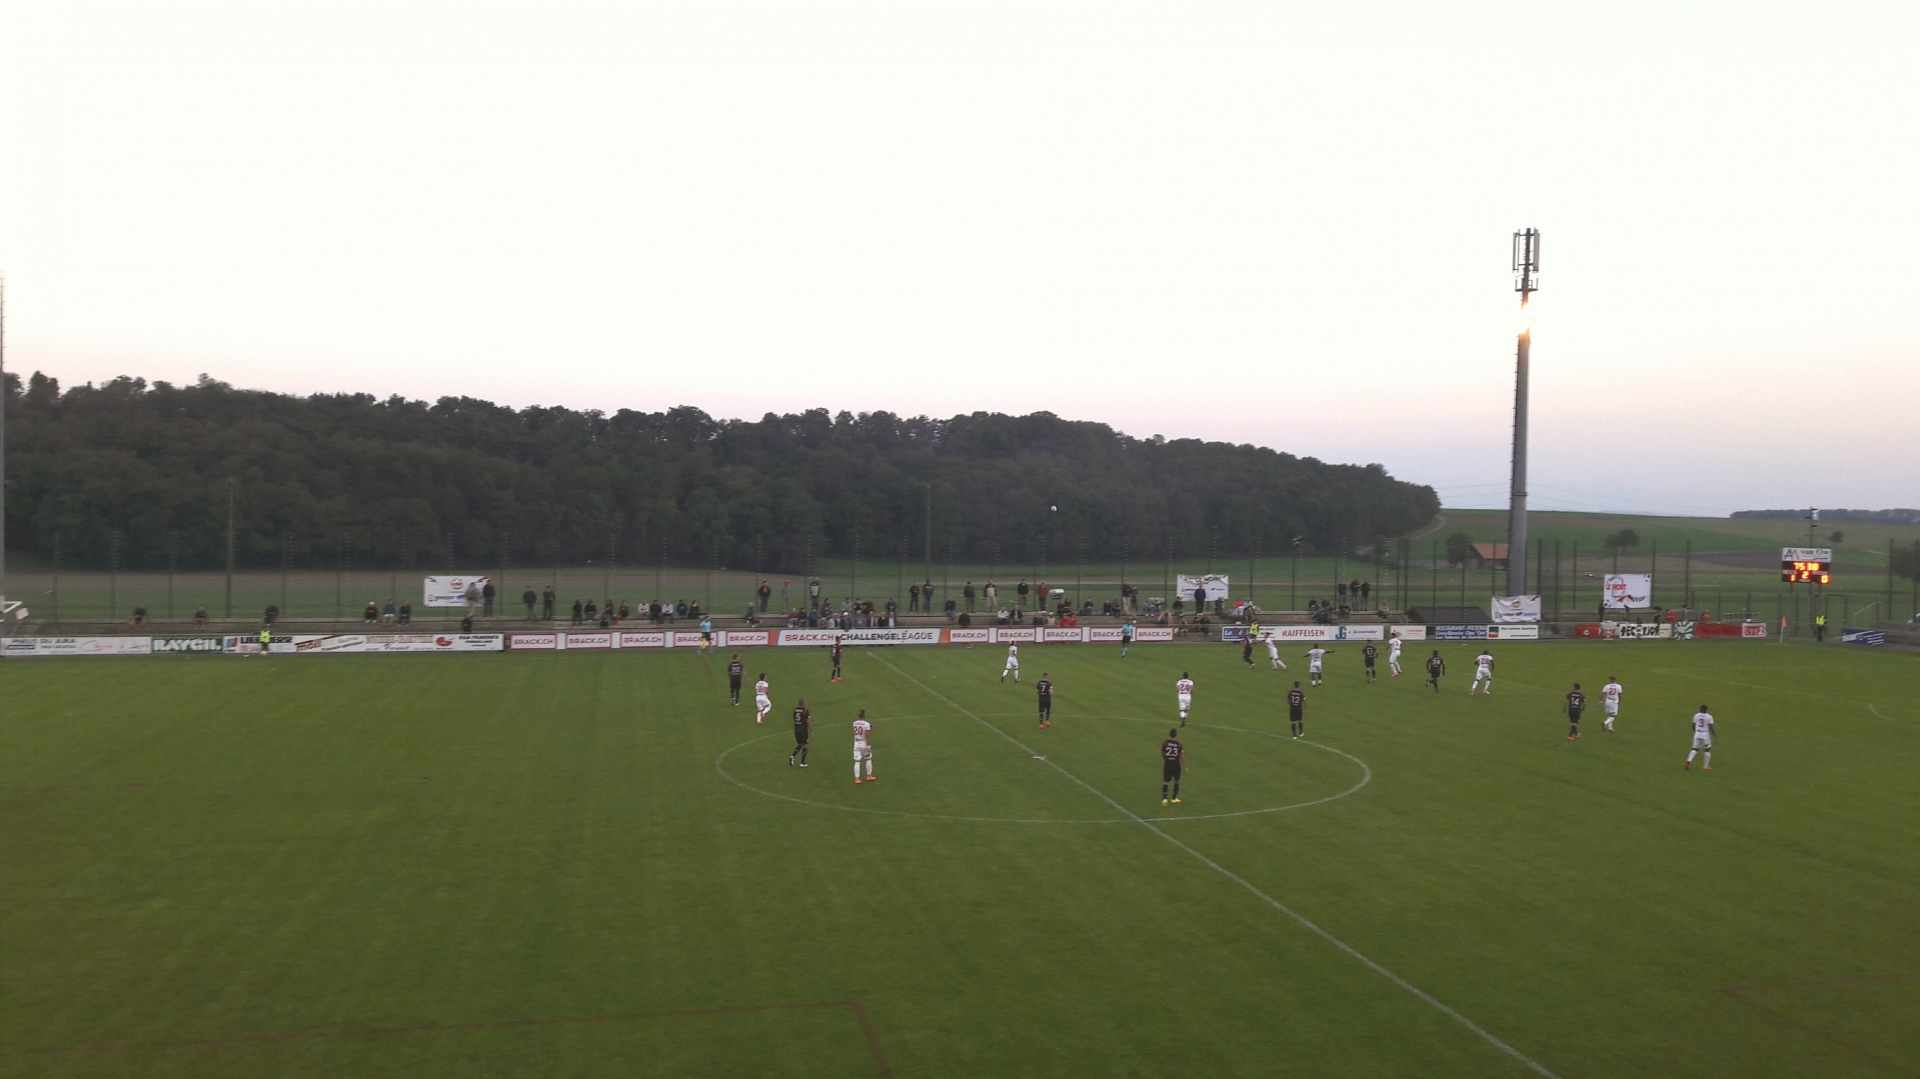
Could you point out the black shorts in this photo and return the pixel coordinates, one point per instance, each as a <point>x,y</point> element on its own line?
<point>1369,660</point>
<point>1574,715</point>
<point>800,736</point>
<point>1297,715</point>
<point>733,680</point>
<point>1169,770</point>
<point>1046,706</point>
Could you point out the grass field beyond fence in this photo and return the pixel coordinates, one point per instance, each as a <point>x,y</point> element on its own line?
<point>593,865</point>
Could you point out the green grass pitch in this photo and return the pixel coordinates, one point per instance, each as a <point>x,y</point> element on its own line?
<point>592,865</point>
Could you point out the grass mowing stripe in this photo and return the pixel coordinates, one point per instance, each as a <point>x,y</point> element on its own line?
<point>1349,949</point>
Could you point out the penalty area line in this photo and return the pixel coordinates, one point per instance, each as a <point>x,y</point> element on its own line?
<point>1425,997</point>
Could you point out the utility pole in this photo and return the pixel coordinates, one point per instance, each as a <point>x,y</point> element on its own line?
<point>1526,280</point>
<point>3,452</point>
<point>229,608</point>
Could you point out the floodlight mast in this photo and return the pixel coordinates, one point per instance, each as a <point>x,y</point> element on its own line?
<point>1526,280</point>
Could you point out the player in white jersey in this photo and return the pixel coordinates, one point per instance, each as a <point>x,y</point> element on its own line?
<point>1702,737</point>
<point>1183,692</point>
<point>762,702</point>
<point>1273,654</point>
<point>1013,663</point>
<point>1482,669</point>
<point>862,746</point>
<point>1610,693</point>
<point>1314,656</point>
<point>1393,655</point>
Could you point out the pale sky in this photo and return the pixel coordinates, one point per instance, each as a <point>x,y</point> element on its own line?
<point>1261,222</point>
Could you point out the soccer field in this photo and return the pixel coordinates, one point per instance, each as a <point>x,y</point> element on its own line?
<point>592,865</point>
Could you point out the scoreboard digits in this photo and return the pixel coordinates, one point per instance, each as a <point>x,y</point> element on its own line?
<point>1806,565</point>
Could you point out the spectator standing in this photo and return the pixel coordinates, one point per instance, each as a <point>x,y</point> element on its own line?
<point>967,594</point>
<point>1340,590</point>
<point>486,596</point>
<point>913,597</point>
<point>472,596</point>
<point>992,594</point>
<point>576,612</point>
<point>546,603</point>
<point>1020,595</point>
<point>786,595</point>
<point>529,599</point>
<point>1366,591</point>
<point>766,593</point>
<point>813,593</point>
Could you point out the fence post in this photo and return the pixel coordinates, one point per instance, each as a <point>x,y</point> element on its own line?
<point>56,578</point>
<point>113,576</point>
<point>173,567</point>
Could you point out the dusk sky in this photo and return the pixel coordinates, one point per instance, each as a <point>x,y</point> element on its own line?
<point>1268,223</point>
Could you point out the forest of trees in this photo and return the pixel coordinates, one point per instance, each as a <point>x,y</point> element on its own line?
<point>147,471</point>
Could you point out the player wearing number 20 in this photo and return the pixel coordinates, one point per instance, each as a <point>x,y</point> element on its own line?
<point>862,746</point>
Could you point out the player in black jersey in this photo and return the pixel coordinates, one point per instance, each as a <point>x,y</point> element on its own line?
<point>736,670</point>
<point>1576,704</point>
<point>836,660</point>
<point>1435,668</point>
<point>1045,688</point>
<point>1173,761</point>
<point>1297,710</point>
<point>1370,653</point>
<point>802,733</point>
<point>1246,650</point>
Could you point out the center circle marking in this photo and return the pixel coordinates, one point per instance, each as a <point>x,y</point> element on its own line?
<point>1366,777</point>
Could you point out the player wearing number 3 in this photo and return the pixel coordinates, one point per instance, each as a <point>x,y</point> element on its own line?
<point>1702,737</point>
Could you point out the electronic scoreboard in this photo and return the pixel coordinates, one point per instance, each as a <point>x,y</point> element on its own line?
<point>1806,565</point>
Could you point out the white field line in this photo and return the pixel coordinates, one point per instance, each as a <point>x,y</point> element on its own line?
<point>1396,979</point>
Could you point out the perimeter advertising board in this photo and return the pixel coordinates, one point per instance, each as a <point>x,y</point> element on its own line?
<point>1513,633</point>
<point>459,590</point>
<point>1236,634</point>
<point>1216,584</point>
<point>77,646</point>
<point>365,643</point>
<point>790,638</point>
<point>187,646</point>
<point>1459,633</point>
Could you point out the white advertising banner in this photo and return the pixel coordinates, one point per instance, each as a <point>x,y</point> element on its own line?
<point>456,591</point>
<point>818,638</point>
<point>683,639</point>
<point>1103,634</point>
<point>1153,635</point>
<point>586,641</point>
<point>1184,585</point>
<point>1065,635</point>
<point>1513,633</point>
<point>77,646</point>
<point>533,642</point>
<point>1806,554</point>
<point>970,635</point>
<point>640,639</point>
<point>1408,633</point>
<point>1308,633</point>
<point>1516,608</point>
<point>1015,634</point>
<point>1624,590</point>
<point>743,638</point>
<point>359,643</point>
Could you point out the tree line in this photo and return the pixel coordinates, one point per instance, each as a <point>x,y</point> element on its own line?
<point>144,474</point>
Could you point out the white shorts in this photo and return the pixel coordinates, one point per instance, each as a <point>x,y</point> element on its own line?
<point>1314,667</point>
<point>1701,741</point>
<point>763,704</point>
<point>1613,708</point>
<point>1013,664</point>
<point>1186,702</point>
<point>862,752</point>
<point>1483,672</point>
